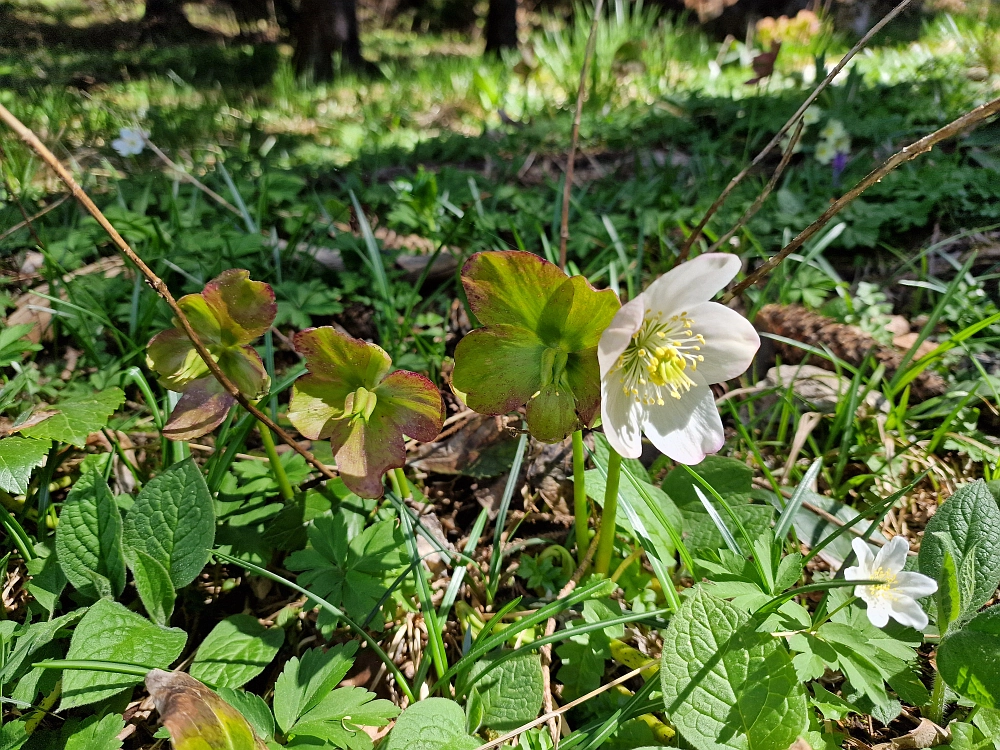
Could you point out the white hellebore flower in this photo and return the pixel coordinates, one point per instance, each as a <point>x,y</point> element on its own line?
<point>897,595</point>
<point>660,354</point>
<point>129,142</point>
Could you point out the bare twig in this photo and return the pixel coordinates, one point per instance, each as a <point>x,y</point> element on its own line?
<point>28,221</point>
<point>188,177</point>
<point>759,200</point>
<point>33,142</point>
<point>925,144</point>
<point>581,94</point>
<point>696,232</point>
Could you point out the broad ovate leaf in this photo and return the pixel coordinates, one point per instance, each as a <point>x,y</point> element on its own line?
<point>72,421</point>
<point>18,458</point>
<point>238,649</point>
<point>431,724</point>
<point>196,717</point>
<point>538,343</point>
<point>350,398</point>
<point>969,659</point>
<point>228,315</point>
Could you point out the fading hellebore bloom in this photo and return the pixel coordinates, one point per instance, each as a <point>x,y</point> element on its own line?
<point>660,354</point>
<point>350,397</point>
<point>229,313</point>
<point>538,344</point>
<point>897,595</point>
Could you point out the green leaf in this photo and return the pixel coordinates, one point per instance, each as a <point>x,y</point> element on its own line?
<point>305,682</point>
<point>31,640</point>
<point>338,718</point>
<point>94,733</point>
<point>77,418</point>
<point>726,686</point>
<point>969,659</point>
<point>173,521</point>
<point>238,649</point>
<point>971,519</point>
<point>988,720</point>
<point>967,737</point>
<point>47,580</point>
<point>89,539</point>
<point>948,597</point>
<point>510,694</point>
<point>253,708</point>
<point>431,724</point>
<point>18,458</point>
<point>109,632</point>
<point>652,528</point>
<point>153,583</point>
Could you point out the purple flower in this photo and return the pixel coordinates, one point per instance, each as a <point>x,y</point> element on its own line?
<point>838,164</point>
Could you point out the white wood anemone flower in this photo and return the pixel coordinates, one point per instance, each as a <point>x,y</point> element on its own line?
<point>661,353</point>
<point>897,595</point>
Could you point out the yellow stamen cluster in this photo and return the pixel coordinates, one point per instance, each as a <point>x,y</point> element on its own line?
<point>883,590</point>
<point>655,362</point>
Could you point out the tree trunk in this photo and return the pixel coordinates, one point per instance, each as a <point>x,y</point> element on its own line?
<point>326,27</point>
<point>501,25</point>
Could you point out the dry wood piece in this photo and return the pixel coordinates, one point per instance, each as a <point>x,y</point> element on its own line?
<point>847,342</point>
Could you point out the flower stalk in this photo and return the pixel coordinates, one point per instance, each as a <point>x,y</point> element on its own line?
<point>581,511</point>
<point>606,543</point>
<point>277,470</point>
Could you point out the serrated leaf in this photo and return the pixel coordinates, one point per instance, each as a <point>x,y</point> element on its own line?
<point>89,539</point>
<point>253,708</point>
<point>35,637</point>
<point>305,682</point>
<point>47,581</point>
<point>74,420</point>
<point>238,649</point>
<point>338,718</point>
<point>510,694</point>
<point>18,458</point>
<point>726,686</point>
<point>431,724</point>
<point>971,518</point>
<point>173,521</point>
<point>969,659</point>
<point>109,632</point>
<point>153,583</point>
<point>94,733</point>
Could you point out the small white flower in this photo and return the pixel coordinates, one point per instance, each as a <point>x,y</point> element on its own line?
<point>825,152</point>
<point>897,596</point>
<point>130,142</point>
<point>833,130</point>
<point>812,115</point>
<point>660,354</point>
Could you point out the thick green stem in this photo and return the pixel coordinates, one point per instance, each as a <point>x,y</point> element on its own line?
<point>581,509</point>
<point>277,470</point>
<point>606,543</point>
<point>404,486</point>
<point>935,707</point>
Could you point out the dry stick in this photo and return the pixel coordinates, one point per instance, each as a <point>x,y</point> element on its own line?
<point>185,175</point>
<point>581,94</point>
<point>696,232</point>
<point>157,283</point>
<point>910,152</point>
<point>28,220</point>
<point>759,201</point>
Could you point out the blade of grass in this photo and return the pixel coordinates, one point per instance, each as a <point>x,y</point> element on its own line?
<point>496,559</point>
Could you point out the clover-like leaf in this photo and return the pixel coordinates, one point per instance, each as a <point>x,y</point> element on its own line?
<point>350,398</point>
<point>229,313</point>
<point>538,346</point>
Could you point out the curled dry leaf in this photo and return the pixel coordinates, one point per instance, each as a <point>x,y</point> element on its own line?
<point>196,717</point>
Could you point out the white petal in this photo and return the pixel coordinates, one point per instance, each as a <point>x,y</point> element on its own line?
<point>892,556</point>
<point>686,429</point>
<point>621,417</point>
<point>617,336</point>
<point>878,615</point>
<point>906,611</point>
<point>691,283</point>
<point>854,573</point>
<point>865,560</point>
<point>914,585</point>
<point>730,341</point>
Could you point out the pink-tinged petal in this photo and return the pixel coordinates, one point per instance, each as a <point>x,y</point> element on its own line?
<point>413,403</point>
<point>316,403</point>
<point>686,429</point>
<point>914,585</point>
<point>584,376</point>
<point>172,356</point>
<point>618,335</point>
<point>621,417</point>
<point>892,557</point>
<point>245,309</point>
<point>335,356</point>
<point>510,287</point>
<point>730,341</point>
<point>370,450</point>
<point>691,283</point>
<point>908,612</point>
<point>498,368</point>
<point>200,410</point>
<point>202,319</point>
<point>246,369</point>
<point>551,415</point>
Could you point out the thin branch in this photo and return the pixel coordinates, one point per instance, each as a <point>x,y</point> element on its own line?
<point>581,94</point>
<point>30,219</point>
<point>759,201</point>
<point>188,177</point>
<point>696,232</point>
<point>32,141</point>
<point>925,144</point>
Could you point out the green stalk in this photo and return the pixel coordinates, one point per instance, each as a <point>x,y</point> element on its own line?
<point>580,507</point>
<point>133,670</point>
<point>277,470</point>
<point>935,706</point>
<point>606,543</point>
<point>404,487</point>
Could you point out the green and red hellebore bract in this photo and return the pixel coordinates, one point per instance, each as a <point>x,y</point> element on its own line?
<point>230,312</point>
<point>350,397</point>
<point>538,344</point>
<point>661,353</point>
